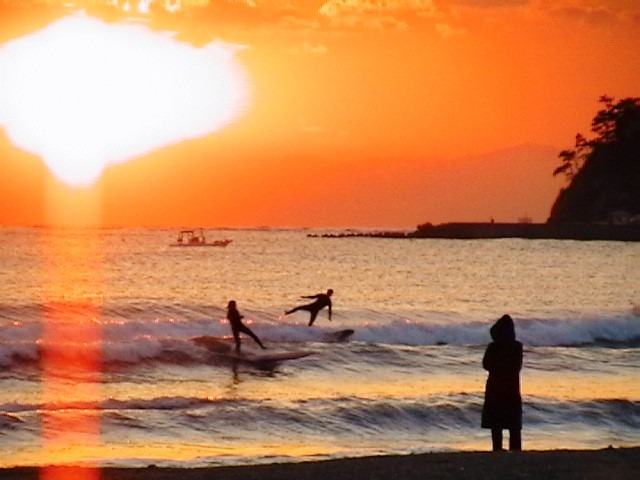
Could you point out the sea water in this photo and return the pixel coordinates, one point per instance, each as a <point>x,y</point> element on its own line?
<point>97,324</point>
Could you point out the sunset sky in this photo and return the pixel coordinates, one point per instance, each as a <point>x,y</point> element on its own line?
<point>363,114</point>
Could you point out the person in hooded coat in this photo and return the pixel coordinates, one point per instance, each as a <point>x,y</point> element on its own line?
<point>502,400</point>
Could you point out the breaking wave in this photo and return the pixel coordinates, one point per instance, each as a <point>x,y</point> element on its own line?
<point>161,333</point>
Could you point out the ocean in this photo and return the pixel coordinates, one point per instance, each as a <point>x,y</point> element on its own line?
<point>98,365</point>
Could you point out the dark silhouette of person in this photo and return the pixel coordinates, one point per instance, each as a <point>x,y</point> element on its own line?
<point>235,319</point>
<point>322,300</point>
<point>502,400</point>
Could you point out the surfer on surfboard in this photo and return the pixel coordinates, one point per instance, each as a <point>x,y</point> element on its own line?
<point>235,319</point>
<point>322,300</point>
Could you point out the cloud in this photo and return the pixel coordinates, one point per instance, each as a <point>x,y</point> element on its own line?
<point>387,23</point>
<point>447,30</point>
<point>592,15</point>
<point>307,48</point>
<point>291,22</point>
<point>340,7</point>
<point>490,3</point>
<point>380,15</point>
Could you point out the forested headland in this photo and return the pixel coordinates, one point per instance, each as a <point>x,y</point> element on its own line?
<point>602,198</point>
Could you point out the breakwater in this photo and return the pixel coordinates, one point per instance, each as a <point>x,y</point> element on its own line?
<point>563,231</point>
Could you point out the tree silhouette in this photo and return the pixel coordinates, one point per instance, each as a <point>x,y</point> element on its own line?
<point>615,123</point>
<point>603,172</point>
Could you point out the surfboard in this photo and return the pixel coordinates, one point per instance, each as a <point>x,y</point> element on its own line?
<point>262,360</point>
<point>273,357</point>
<point>223,348</point>
<point>340,335</point>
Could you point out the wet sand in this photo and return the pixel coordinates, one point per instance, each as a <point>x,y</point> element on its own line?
<point>609,464</point>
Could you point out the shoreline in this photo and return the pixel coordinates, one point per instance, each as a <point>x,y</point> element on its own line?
<point>608,463</point>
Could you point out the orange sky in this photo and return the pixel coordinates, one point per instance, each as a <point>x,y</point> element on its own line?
<point>370,114</point>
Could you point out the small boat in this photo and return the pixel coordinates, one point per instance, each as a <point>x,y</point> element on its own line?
<point>195,238</point>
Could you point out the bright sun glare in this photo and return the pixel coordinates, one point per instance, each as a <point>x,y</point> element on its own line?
<point>83,94</point>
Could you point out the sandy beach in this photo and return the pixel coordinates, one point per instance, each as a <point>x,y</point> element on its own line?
<point>610,463</point>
